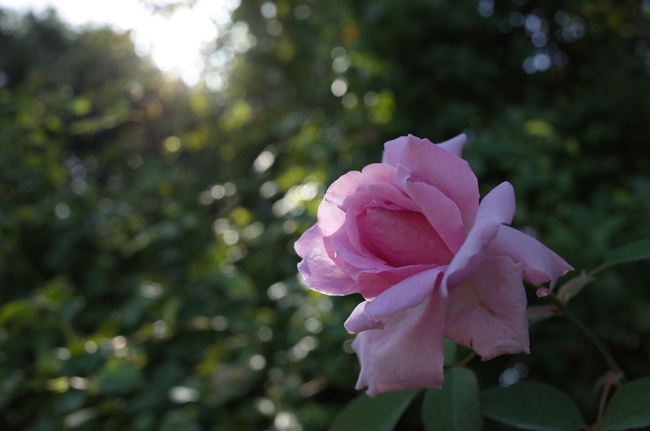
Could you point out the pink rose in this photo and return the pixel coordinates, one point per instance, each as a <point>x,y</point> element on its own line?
<point>409,235</point>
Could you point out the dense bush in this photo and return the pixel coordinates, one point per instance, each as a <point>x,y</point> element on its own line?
<point>147,276</point>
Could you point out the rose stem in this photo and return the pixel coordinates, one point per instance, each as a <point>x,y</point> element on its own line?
<point>611,363</point>
<point>467,359</point>
<point>598,269</point>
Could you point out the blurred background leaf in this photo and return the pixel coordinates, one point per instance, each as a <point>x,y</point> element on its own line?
<point>147,275</point>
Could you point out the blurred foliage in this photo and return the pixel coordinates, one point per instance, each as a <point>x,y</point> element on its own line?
<point>147,277</point>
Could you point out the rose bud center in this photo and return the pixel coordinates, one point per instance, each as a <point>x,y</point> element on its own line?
<point>401,238</point>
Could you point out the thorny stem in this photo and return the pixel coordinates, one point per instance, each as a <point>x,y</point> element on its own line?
<point>598,270</point>
<point>609,360</point>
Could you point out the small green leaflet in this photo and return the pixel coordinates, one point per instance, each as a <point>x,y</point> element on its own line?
<point>629,408</point>
<point>532,406</point>
<point>373,414</point>
<point>632,252</point>
<point>455,407</point>
<point>450,349</point>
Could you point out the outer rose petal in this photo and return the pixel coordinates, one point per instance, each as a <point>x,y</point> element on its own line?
<point>497,207</point>
<point>408,293</point>
<point>330,216</point>
<point>318,270</point>
<point>541,264</point>
<point>406,354</point>
<point>488,312</point>
<point>360,320</point>
<point>455,145</point>
<point>436,166</point>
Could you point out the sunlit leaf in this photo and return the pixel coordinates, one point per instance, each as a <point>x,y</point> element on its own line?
<point>81,106</point>
<point>238,114</point>
<point>373,414</point>
<point>17,312</point>
<point>537,127</point>
<point>455,407</point>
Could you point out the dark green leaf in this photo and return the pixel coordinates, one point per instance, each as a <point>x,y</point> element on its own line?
<point>373,414</point>
<point>532,406</point>
<point>455,407</point>
<point>632,252</point>
<point>450,349</point>
<point>119,377</point>
<point>20,311</point>
<point>629,407</point>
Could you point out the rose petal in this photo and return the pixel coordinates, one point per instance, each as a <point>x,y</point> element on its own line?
<point>401,238</point>
<point>371,274</point>
<point>440,211</point>
<point>497,207</point>
<point>318,270</point>
<point>488,312</point>
<point>406,354</point>
<point>385,193</point>
<point>434,165</point>
<point>406,294</point>
<point>352,260</point>
<point>455,145</point>
<point>360,320</point>
<point>372,285</point>
<point>330,216</point>
<point>352,216</point>
<point>541,263</point>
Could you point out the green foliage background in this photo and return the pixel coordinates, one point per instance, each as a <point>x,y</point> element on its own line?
<point>147,275</point>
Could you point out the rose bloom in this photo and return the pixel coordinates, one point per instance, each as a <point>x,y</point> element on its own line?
<point>410,236</point>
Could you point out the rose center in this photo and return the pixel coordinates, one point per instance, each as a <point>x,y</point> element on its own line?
<point>401,238</point>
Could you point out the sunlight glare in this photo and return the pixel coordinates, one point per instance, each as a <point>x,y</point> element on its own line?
<point>176,42</point>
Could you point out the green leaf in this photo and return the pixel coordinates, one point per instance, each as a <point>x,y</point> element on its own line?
<point>450,349</point>
<point>373,414</point>
<point>629,407</point>
<point>19,312</point>
<point>455,407</point>
<point>81,106</point>
<point>119,377</point>
<point>532,406</point>
<point>632,252</point>
<point>572,287</point>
